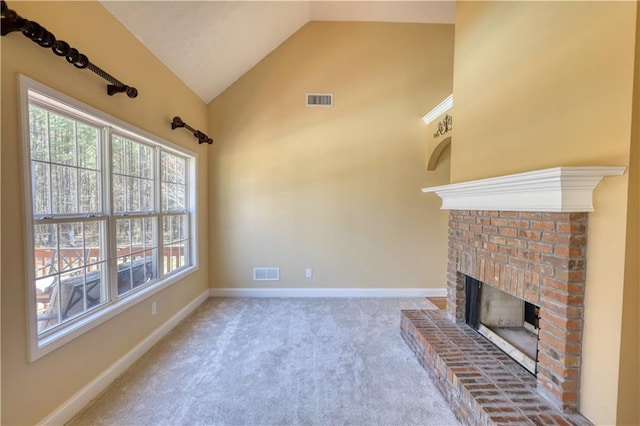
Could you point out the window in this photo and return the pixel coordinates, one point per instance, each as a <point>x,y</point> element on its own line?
<point>112,215</point>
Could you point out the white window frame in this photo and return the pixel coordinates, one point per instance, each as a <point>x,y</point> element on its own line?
<point>40,345</point>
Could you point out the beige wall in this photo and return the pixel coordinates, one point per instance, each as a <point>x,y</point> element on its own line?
<point>629,387</point>
<point>543,84</point>
<point>333,189</point>
<point>32,391</point>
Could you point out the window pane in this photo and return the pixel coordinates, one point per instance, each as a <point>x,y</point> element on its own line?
<point>174,256</point>
<point>47,302</point>
<point>175,241</point>
<point>81,291</point>
<point>123,237</point>
<point>173,197</point>
<point>173,187</point>
<point>132,159</point>
<point>95,290</point>
<point>137,257</point>
<point>93,235</point>
<point>63,190</point>
<point>173,168</point>
<point>133,176</point>
<point>62,140</point>
<point>119,193</point>
<point>71,246</point>
<point>149,231</point>
<point>146,194</point>
<point>46,249</point>
<point>87,146</point>
<point>133,194</point>
<point>38,133</point>
<point>117,154</point>
<point>137,234</point>
<point>146,162</point>
<point>89,191</point>
<point>40,180</point>
<point>136,270</point>
<point>167,224</point>
<point>69,270</point>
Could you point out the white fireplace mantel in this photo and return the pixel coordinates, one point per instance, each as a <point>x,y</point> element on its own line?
<point>559,189</point>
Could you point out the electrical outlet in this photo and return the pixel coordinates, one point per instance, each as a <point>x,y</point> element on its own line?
<point>309,273</point>
<point>154,308</point>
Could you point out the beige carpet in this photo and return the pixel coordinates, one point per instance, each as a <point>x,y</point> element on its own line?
<point>278,362</point>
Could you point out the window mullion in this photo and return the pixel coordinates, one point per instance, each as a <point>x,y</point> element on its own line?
<point>50,201</point>
<point>157,200</point>
<point>110,241</point>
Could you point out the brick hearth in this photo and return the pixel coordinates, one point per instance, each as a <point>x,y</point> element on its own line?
<point>482,384</point>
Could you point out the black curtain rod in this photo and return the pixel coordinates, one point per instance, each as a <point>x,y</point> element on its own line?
<point>202,138</point>
<point>11,22</point>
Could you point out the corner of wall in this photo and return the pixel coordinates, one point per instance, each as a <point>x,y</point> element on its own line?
<point>628,412</point>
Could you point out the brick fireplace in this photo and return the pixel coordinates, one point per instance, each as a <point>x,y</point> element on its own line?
<point>540,258</point>
<point>525,235</point>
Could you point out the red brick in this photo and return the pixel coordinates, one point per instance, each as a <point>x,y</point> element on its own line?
<point>574,336</point>
<point>529,235</point>
<point>514,242</point>
<point>555,216</point>
<point>499,222</point>
<point>577,277</point>
<point>571,348</point>
<point>540,247</point>
<point>578,240</point>
<point>556,284</point>
<point>571,227</point>
<point>579,216</point>
<point>555,261</point>
<point>551,364</point>
<point>475,228</point>
<point>497,240</point>
<point>530,215</point>
<point>530,255</point>
<point>507,232</point>
<point>564,251</point>
<point>491,247</point>
<point>520,224</point>
<point>547,317</point>
<point>542,225</point>
<point>518,262</point>
<point>553,238</point>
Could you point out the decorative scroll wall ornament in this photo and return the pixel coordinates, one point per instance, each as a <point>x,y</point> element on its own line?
<point>444,126</point>
<point>202,138</point>
<point>11,22</point>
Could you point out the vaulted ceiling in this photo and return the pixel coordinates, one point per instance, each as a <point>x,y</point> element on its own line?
<point>210,44</point>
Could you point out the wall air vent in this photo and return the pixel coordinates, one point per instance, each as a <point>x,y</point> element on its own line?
<point>266,274</point>
<point>319,99</point>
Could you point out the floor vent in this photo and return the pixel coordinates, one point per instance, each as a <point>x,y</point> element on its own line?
<point>266,274</point>
<point>320,99</point>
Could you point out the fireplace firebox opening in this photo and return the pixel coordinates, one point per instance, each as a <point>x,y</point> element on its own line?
<point>508,322</point>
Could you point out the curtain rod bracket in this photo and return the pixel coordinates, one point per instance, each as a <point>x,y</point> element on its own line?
<point>12,22</point>
<point>202,138</point>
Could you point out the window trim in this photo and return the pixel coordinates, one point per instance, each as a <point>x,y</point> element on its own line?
<point>39,346</point>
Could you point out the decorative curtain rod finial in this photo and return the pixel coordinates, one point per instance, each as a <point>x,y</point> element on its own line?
<point>202,138</point>
<point>12,22</point>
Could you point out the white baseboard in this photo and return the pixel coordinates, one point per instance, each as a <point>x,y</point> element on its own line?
<point>77,402</point>
<point>328,292</point>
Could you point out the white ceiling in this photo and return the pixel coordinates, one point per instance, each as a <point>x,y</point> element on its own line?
<point>210,44</point>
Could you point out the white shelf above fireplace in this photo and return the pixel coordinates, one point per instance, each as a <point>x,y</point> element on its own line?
<point>558,189</point>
